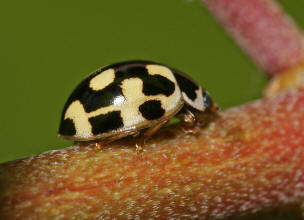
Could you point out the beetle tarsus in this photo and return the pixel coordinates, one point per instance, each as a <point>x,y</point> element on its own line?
<point>98,146</point>
<point>139,147</point>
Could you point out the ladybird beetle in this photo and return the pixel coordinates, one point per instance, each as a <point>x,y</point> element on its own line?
<point>121,99</point>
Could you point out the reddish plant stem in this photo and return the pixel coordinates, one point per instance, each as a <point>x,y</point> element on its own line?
<point>249,158</point>
<point>266,33</point>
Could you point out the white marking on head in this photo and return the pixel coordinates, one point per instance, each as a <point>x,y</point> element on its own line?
<point>198,103</point>
<point>102,80</point>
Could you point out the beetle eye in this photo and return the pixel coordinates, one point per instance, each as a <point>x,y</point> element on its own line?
<point>207,100</point>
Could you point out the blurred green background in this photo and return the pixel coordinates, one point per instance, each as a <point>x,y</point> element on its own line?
<point>48,47</point>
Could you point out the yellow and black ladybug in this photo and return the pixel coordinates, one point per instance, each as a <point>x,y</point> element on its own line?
<point>124,98</point>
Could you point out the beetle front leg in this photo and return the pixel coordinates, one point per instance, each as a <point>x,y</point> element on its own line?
<point>188,120</point>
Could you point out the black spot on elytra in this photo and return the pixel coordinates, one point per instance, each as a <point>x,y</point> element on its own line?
<point>152,110</point>
<point>158,85</point>
<point>67,128</point>
<point>186,85</point>
<point>106,122</point>
<point>102,98</point>
<point>152,84</point>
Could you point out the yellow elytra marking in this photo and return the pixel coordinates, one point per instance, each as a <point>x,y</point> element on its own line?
<point>170,102</point>
<point>102,80</point>
<point>134,98</point>
<point>77,113</point>
<point>154,69</point>
<point>198,103</point>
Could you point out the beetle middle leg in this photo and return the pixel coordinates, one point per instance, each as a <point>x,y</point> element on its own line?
<point>147,134</point>
<point>102,143</point>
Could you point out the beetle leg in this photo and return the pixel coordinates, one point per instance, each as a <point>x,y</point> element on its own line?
<point>187,117</point>
<point>148,133</point>
<point>102,143</point>
<point>188,120</point>
<point>98,146</point>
